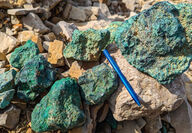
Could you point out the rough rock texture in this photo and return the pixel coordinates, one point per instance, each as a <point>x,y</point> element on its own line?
<point>185,13</point>
<point>154,97</point>
<point>87,45</point>
<point>49,4</point>
<point>55,53</point>
<point>97,84</point>
<point>180,119</point>
<point>24,53</point>
<point>10,117</point>
<point>7,80</point>
<point>26,35</point>
<point>23,11</point>
<point>11,3</point>
<point>8,43</point>
<point>35,76</point>
<point>33,22</point>
<point>6,97</point>
<point>153,125</point>
<point>154,42</point>
<point>60,108</point>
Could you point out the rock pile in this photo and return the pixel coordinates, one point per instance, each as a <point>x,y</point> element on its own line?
<point>54,77</point>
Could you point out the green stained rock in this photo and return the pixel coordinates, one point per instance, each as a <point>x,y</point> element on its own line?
<point>35,76</point>
<point>185,17</point>
<point>154,42</point>
<point>24,53</point>
<point>87,45</point>
<point>7,80</point>
<point>113,29</point>
<point>6,97</point>
<point>97,84</point>
<point>59,109</point>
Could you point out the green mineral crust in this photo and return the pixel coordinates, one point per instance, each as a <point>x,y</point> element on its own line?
<point>87,45</point>
<point>97,84</point>
<point>155,41</point>
<point>24,53</point>
<point>34,77</point>
<point>7,88</point>
<point>59,109</point>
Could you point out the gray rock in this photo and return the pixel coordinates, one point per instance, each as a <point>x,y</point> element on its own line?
<point>2,64</point>
<point>10,117</point>
<point>77,14</point>
<point>64,28</point>
<point>33,22</point>
<point>50,37</point>
<point>46,45</point>
<point>153,125</point>
<point>50,4</point>
<point>24,11</point>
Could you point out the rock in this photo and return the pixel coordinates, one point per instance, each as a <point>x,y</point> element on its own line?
<point>103,128</point>
<point>102,114</point>
<point>104,11</point>
<point>2,64</point>
<point>180,119</point>
<point>24,11</point>
<point>154,97</point>
<point>42,75</point>
<point>87,45</point>
<point>24,36</point>
<point>46,45</point>
<point>153,125</point>
<point>130,4</point>
<point>151,49</point>
<point>130,127</point>
<point>97,84</point>
<point>11,3</point>
<point>15,20</point>
<point>111,121</point>
<point>10,117</point>
<point>6,97</point>
<point>7,80</point>
<point>3,70</point>
<point>77,14</point>
<point>65,29</point>
<point>22,54</point>
<point>33,22</point>
<point>185,12</point>
<point>49,37</point>
<point>38,41</point>
<point>8,43</point>
<point>50,4</point>
<point>55,53</point>
<point>2,57</point>
<point>187,79</point>
<point>62,100</point>
<point>66,11</point>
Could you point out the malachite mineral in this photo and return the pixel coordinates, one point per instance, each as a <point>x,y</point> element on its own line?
<point>155,42</point>
<point>87,45</point>
<point>34,77</point>
<point>98,83</point>
<point>6,97</point>
<point>24,53</point>
<point>60,109</point>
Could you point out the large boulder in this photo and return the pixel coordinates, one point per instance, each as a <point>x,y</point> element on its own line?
<point>33,79</point>
<point>154,97</point>
<point>98,83</point>
<point>87,45</point>
<point>22,54</point>
<point>155,42</point>
<point>59,109</point>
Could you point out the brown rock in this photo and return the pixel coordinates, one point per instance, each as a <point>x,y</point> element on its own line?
<point>153,125</point>
<point>155,98</point>
<point>38,41</point>
<point>24,36</point>
<point>102,114</point>
<point>55,53</point>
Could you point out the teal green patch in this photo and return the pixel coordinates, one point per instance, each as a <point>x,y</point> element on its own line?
<point>59,109</point>
<point>36,75</point>
<point>97,84</point>
<point>23,53</point>
<point>6,97</point>
<point>87,45</point>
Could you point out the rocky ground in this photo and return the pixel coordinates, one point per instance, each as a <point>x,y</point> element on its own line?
<point>54,77</point>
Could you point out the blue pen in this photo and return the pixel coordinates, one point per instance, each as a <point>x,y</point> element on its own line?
<point>122,77</point>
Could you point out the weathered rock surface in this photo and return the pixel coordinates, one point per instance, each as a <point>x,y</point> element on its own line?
<point>80,16</point>
<point>60,108</point>
<point>11,3</point>
<point>97,84</point>
<point>24,53</point>
<point>8,43</point>
<point>6,97</point>
<point>10,117</point>
<point>33,22</point>
<point>49,4</point>
<point>55,53</point>
<point>26,35</point>
<point>65,29</point>
<point>180,118</point>
<point>153,125</point>
<point>23,11</point>
<point>158,48</point>
<point>87,45</point>
<point>34,77</point>
<point>155,98</point>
